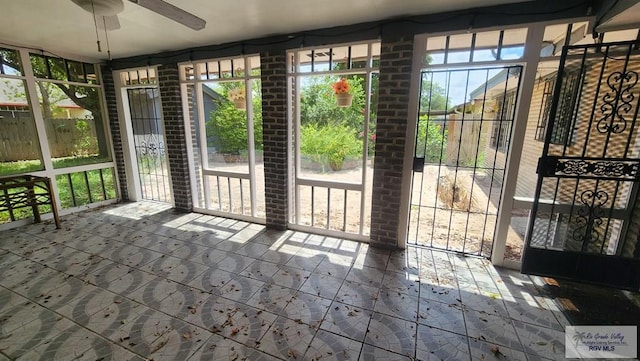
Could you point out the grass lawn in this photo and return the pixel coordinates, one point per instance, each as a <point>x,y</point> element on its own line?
<point>25,166</point>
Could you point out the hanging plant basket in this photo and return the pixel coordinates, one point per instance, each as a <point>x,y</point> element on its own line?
<point>240,104</point>
<point>344,99</point>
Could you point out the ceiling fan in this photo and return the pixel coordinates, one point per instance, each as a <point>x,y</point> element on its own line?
<point>107,12</point>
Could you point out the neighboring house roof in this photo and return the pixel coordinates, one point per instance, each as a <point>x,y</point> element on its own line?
<point>497,82</point>
<point>211,93</point>
<point>7,98</point>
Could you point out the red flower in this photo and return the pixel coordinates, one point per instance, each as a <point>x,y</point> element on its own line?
<point>341,86</point>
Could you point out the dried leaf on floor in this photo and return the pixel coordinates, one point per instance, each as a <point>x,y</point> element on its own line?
<point>160,345</point>
<point>496,351</point>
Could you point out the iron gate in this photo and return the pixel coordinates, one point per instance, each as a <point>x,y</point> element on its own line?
<point>585,219</point>
<point>460,155</point>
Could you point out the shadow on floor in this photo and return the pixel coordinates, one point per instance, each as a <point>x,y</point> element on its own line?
<point>585,304</point>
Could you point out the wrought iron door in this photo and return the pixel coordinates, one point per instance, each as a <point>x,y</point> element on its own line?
<point>585,220</point>
<point>148,137</point>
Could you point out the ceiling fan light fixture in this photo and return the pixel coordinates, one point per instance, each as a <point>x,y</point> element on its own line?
<point>101,7</point>
<point>172,12</point>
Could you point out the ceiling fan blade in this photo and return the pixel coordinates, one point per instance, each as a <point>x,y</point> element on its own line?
<point>172,12</point>
<point>108,22</point>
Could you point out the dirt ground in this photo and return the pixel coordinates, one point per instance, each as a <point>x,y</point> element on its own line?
<point>432,222</point>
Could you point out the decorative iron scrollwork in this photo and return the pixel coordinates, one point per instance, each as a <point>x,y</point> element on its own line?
<point>617,103</point>
<point>151,147</point>
<point>614,169</point>
<point>589,218</point>
<point>577,167</point>
<point>619,169</point>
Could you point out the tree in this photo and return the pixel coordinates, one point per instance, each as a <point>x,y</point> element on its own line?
<point>86,97</point>
<point>432,96</point>
<point>318,105</point>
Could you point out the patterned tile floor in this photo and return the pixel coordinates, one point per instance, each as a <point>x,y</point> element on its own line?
<point>138,281</point>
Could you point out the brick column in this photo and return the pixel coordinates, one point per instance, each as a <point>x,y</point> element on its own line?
<point>393,104</point>
<point>174,133</point>
<point>114,126</point>
<point>195,141</point>
<point>273,67</point>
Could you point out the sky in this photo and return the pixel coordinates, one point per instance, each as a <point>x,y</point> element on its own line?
<point>464,81</point>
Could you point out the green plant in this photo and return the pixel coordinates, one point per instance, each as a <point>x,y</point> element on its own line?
<point>431,142</point>
<point>18,167</point>
<point>230,126</point>
<point>330,146</point>
<point>227,125</point>
<point>85,145</point>
<point>318,103</point>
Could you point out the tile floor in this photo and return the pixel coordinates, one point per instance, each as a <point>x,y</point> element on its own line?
<point>138,281</point>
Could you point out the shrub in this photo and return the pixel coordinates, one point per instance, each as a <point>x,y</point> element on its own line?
<point>329,146</point>
<point>456,192</point>
<point>431,142</point>
<point>230,127</point>
<point>85,144</point>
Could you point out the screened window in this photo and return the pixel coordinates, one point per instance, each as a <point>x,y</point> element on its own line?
<point>61,107</point>
<point>10,62</point>
<point>224,97</point>
<point>19,144</point>
<point>47,67</point>
<point>501,130</point>
<point>545,108</point>
<point>476,47</point>
<point>564,119</point>
<point>500,134</point>
<point>71,104</point>
<point>333,110</point>
<point>142,76</point>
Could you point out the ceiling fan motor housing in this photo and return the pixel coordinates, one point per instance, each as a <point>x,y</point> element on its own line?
<point>101,7</point>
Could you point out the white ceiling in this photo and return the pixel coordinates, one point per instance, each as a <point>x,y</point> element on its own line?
<point>61,27</point>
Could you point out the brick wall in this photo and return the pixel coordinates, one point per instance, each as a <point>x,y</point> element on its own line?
<point>393,100</point>
<point>114,124</point>
<point>274,133</point>
<point>175,137</point>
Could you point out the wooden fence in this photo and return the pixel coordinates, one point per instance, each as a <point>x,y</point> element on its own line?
<point>467,139</point>
<point>66,137</point>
